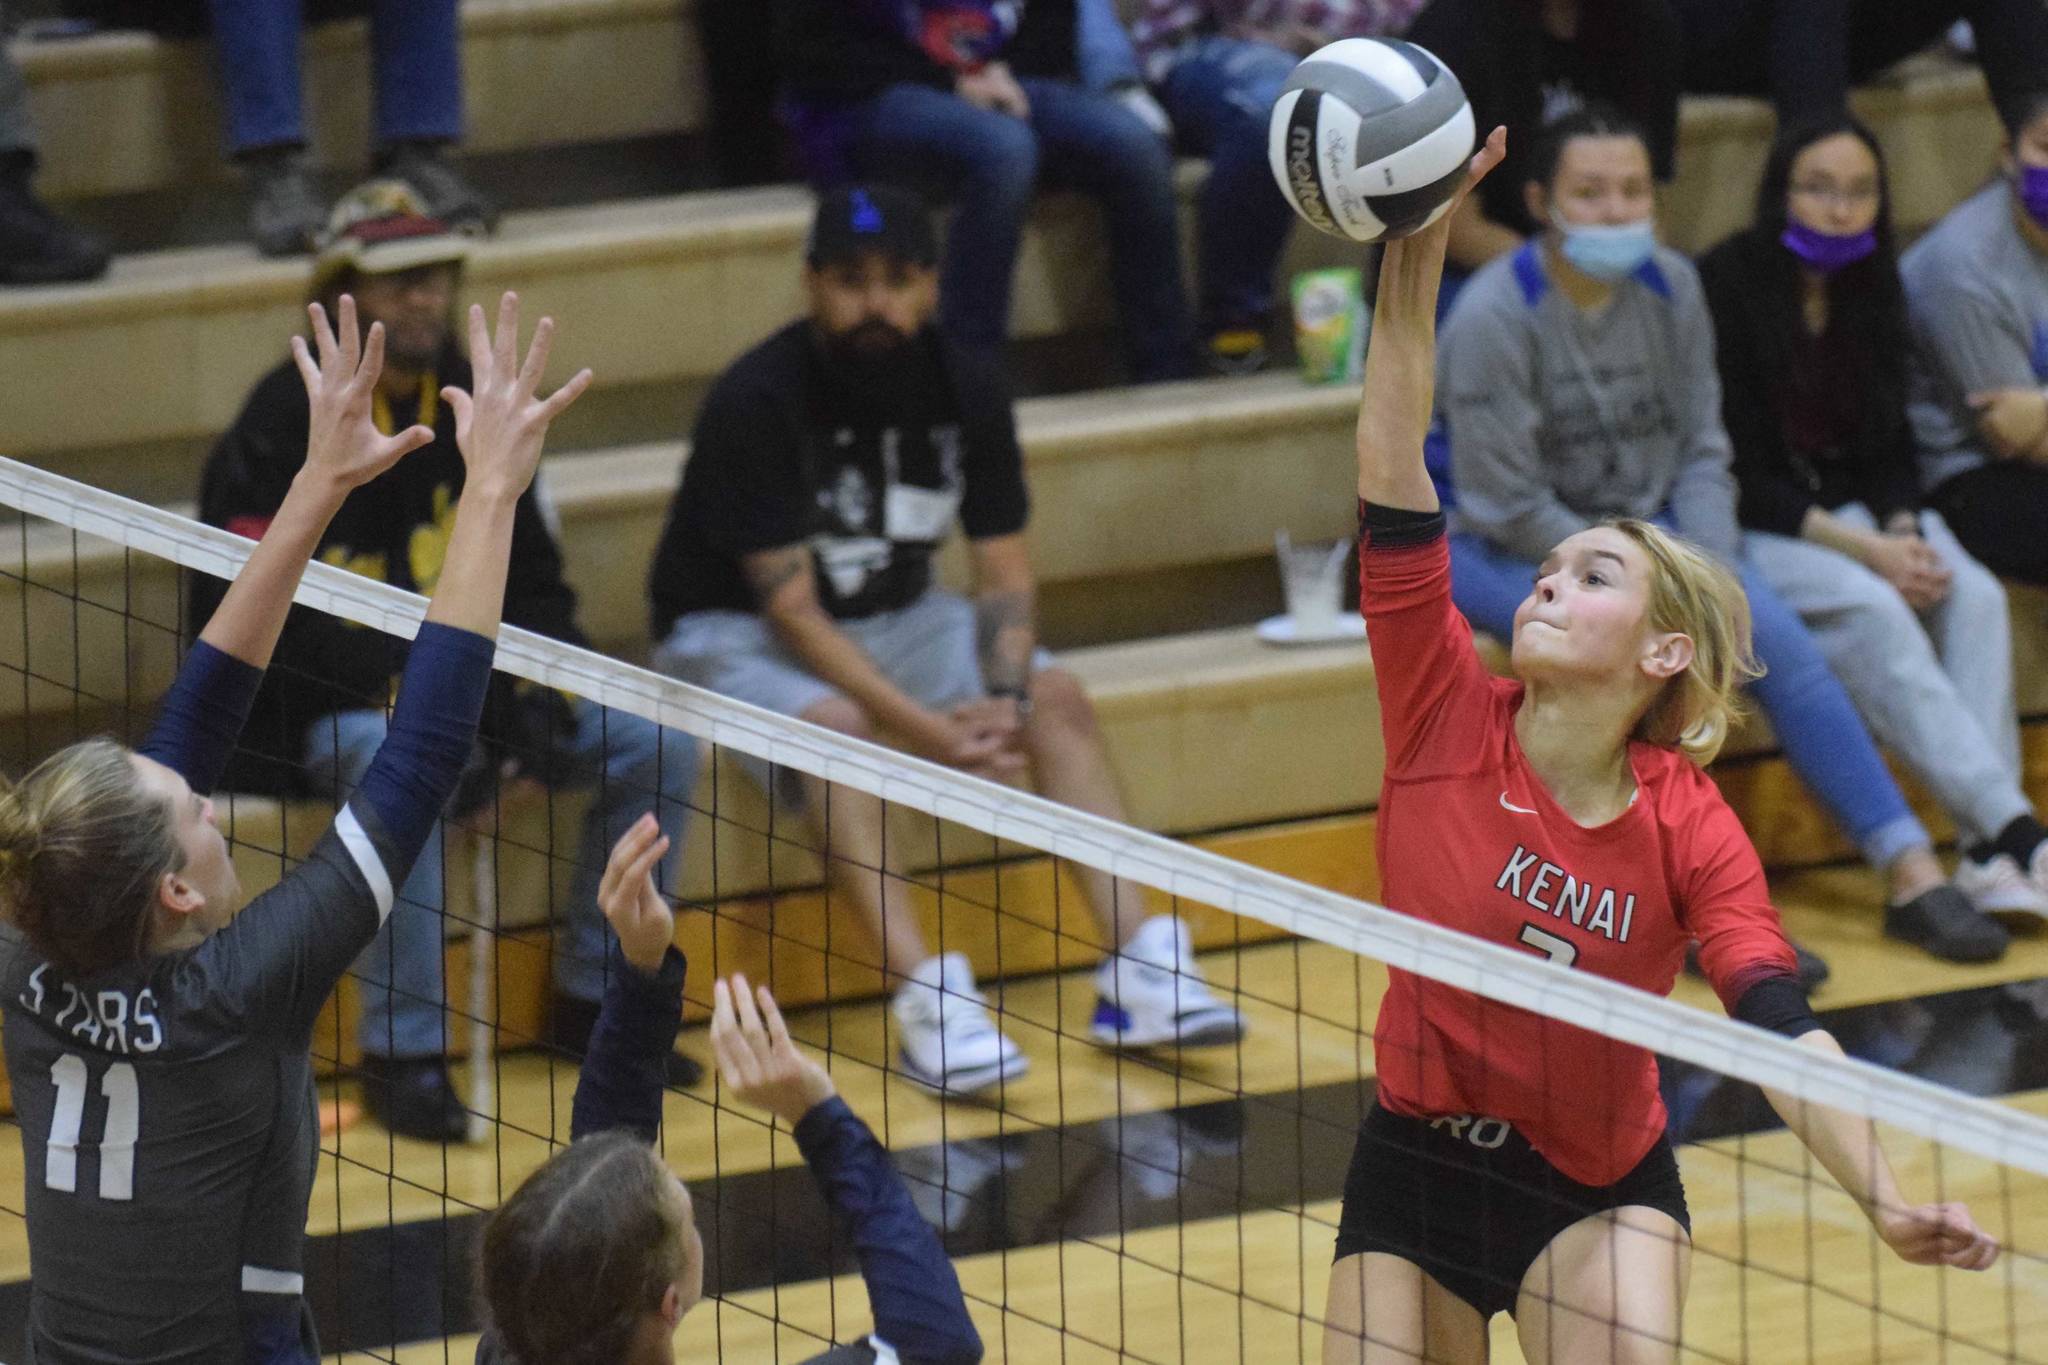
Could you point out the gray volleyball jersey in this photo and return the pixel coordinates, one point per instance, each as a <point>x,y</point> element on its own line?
<point>168,1122</point>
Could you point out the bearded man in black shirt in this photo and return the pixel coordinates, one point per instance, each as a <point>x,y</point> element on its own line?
<point>795,573</point>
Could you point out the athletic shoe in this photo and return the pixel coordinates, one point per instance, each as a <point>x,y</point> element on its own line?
<point>285,212</point>
<point>448,196</point>
<point>1999,887</point>
<point>1151,992</point>
<point>38,247</point>
<point>947,1042</point>
<point>2037,867</point>
<point>1810,969</point>
<point>1943,922</point>
<point>571,1021</point>
<point>413,1097</point>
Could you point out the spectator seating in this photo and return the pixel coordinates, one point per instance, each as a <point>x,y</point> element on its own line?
<point>124,112</point>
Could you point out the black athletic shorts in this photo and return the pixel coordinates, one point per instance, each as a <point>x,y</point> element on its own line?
<point>1473,1204</point>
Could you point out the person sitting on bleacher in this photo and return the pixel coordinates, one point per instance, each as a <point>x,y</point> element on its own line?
<point>795,573</point>
<point>36,246</point>
<point>1576,382</point>
<point>1811,328</point>
<point>1526,62</point>
<point>1977,294</point>
<point>1219,66</point>
<point>967,101</point>
<point>415,49</point>
<point>321,713</point>
<point>1804,55</point>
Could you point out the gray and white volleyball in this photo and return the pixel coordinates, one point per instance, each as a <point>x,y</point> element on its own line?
<point>1370,138</point>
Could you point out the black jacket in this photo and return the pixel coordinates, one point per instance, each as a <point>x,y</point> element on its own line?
<point>394,529</point>
<point>1751,288</point>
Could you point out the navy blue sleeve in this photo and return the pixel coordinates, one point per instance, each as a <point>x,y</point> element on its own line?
<point>918,1307</point>
<point>202,716</point>
<point>440,698</point>
<point>626,1066</point>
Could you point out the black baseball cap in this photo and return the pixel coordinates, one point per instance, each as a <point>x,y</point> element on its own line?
<point>859,218</point>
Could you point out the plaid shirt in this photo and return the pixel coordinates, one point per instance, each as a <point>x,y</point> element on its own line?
<point>1163,25</point>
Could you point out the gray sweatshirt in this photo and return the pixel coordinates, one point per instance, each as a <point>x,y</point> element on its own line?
<point>1560,418</point>
<point>1978,297</point>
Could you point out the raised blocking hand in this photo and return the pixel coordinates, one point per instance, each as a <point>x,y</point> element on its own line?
<point>638,912</point>
<point>343,444</point>
<point>501,423</point>
<point>760,1064</point>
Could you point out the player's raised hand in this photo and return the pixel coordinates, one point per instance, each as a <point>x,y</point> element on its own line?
<point>1937,1234</point>
<point>502,421</point>
<point>760,1064</point>
<point>341,372</point>
<point>639,914</point>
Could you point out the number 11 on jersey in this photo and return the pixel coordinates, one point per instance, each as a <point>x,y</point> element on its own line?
<point>117,1144</point>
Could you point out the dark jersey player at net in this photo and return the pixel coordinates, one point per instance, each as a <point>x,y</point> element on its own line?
<point>919,1313</point>
<point>167,1108</point>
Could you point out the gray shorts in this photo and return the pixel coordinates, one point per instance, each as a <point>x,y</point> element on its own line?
<point>927,648</point>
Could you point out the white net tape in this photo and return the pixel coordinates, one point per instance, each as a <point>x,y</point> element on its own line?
<point>1985,1128</point>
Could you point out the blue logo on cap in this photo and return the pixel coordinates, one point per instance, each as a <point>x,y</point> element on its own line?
<point>867,218</point>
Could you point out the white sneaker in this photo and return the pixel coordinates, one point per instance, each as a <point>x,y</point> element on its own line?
<point>2037,868</point>
<point>946,1040</point>
<point>1998,887</point>
<point>1151,991</point>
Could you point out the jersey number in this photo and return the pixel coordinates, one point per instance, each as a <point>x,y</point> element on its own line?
<point>117,1144</point>
<point>1561,951</point>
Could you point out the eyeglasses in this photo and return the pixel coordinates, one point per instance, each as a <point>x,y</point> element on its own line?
<point>1827,192</point>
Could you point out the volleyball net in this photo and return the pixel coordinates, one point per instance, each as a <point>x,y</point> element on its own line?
<point>1157,1205</point>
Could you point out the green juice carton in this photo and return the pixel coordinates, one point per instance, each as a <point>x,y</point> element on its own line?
<point>1330,323</point>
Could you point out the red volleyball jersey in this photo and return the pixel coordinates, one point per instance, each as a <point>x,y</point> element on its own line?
<point>1469,838</point>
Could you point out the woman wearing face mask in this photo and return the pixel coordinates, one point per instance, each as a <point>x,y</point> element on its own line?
<point>1977,298</point>
<point>1577,383</point>
<point>1503,1166</point>
<point>1811,327</point>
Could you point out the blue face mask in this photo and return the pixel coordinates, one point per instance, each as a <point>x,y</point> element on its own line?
<point>1608,252</point>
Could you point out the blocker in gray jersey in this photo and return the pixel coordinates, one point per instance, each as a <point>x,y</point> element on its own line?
<point>168,1123</point>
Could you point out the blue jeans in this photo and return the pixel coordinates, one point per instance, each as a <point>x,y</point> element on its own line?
<point>1220,93</point>
<point>635,765</point>
<point>988,165</point>
<point>415,58</point>
<point>1823,737</point>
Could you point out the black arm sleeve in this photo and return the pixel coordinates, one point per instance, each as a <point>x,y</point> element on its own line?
<point>624,1070</point>
<point>432,727</point>
<point>1386,528</point>
<point>1777,1003</point>
<point>919,1309</point>
<point>202,716</point>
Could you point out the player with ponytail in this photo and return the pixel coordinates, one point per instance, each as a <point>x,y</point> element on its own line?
<point>157,1033</point>
<point>595,1259</point>
<point>1511,1163</point>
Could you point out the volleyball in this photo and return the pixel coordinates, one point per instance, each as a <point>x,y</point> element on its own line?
<point>1370,138</point>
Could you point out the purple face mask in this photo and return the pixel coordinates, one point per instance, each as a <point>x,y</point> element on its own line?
<point>2032,186</point>
<point>1827,252</point>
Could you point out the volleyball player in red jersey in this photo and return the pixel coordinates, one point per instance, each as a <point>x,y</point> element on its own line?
<point>1512,1163</point>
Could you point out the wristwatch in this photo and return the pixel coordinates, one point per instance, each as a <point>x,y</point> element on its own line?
<point>1020,695</point>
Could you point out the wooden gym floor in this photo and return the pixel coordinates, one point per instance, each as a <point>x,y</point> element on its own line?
<point>1197,1226</point>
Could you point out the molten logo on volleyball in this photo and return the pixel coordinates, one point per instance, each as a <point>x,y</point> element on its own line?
<point>1370,138</point>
